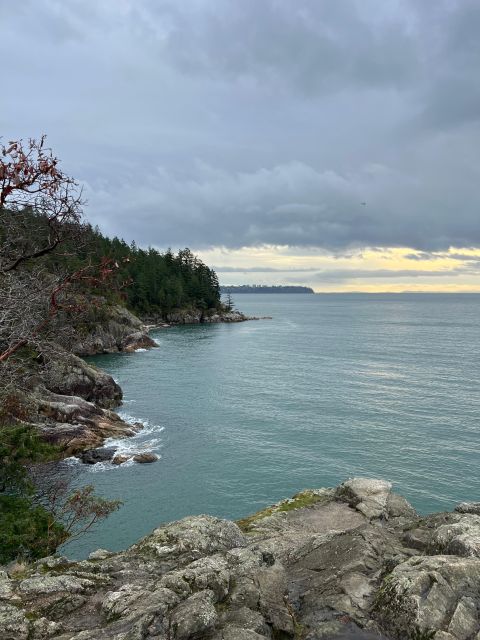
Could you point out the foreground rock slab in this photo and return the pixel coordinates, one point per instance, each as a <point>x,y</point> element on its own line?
<point>351,562</point>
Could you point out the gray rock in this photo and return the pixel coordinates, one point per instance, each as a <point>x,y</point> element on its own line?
<point>100,554</point>
<point>461,537</point>
<point>39,585</point>
<point>137,340</point>
<point>106,333</point>
<point>194,617</point>
<point>431,593</point>
<point>468,507</point>
<point>6,588</point>
<point>193,538</point>
<point>313,567</point>
<point>101,454</point>
<point>369,496</point>
<point>145,458</point>
<point>69,375</point>
<point>398,507</point>
<point>13,623</point>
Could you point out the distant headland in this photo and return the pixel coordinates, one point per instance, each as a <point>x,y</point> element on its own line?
<point>262,288</point>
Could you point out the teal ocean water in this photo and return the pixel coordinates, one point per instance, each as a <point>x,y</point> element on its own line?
<point>333,386</point>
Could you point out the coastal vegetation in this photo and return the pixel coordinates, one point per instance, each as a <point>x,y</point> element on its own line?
<point>60,279</point>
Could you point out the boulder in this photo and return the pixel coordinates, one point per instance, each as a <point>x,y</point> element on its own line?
<point>145,458</point>
<point>120,459</point>
<point>367,495</point>
<point>74,424</point>
<point>92,456</point>
<point>137,340</point>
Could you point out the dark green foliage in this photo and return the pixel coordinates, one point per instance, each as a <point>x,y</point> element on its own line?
<point>35,521</point>
<point>26,529</point>
<point>149,282</point>
<point>20,445</point>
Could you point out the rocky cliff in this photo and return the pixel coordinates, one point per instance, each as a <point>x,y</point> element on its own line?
<point>115,329</point>
<point>70,401</point>
<point>352,562</point>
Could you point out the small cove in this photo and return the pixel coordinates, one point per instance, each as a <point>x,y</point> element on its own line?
<point>333,386</point>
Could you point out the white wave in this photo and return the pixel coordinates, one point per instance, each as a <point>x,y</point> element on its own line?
<point>99,467</point>
<point>72,460</point>
<point>139,443</point>
<point>139,350</point>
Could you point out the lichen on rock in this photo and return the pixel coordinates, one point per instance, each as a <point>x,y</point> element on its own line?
<point>317,567</point>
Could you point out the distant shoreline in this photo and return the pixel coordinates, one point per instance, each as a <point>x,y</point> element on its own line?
<point>257,288</point>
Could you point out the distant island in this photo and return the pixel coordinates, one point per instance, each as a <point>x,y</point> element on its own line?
<point>262,288</point>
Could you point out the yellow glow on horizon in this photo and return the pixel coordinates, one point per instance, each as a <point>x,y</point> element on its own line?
<point>370,270</point>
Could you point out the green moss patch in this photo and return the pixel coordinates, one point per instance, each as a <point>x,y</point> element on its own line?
<point>302,500</point>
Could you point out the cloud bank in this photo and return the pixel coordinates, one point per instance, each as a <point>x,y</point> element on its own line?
<point>214,123</point>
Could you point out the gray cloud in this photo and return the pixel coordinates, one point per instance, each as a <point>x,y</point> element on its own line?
<point>218,123</point>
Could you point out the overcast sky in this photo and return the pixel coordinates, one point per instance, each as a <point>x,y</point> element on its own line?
<point>334,143</point>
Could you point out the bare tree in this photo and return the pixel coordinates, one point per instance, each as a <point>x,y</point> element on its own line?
<point>39,204</point>
<point>76,508</point>
<point>40,209</point>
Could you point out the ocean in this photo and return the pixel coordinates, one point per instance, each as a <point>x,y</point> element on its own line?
<point>333,386</point>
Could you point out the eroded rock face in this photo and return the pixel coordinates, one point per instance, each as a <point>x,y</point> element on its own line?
<point>107,333</point>
<point>74,424</point>
<point>69,375</point>
<point>437,593</point>
<point>313,567</point>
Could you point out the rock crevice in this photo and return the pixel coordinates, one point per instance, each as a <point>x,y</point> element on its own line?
<point>325,564</point>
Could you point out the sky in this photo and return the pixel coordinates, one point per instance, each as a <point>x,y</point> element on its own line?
<point>327,143</point>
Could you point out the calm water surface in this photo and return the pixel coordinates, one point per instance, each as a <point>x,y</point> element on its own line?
<point>333,386</point>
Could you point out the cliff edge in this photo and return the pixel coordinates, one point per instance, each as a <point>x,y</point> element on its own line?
<point>350,562</point>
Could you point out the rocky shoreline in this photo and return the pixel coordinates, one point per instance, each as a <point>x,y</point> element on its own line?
<point>71,400</point>
<point>351,562</point>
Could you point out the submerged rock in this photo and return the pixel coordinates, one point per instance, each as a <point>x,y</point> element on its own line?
<point>92,456</point>
<point>326,564</point>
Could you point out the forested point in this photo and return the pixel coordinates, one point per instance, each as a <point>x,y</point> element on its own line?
<point>61,278</point>
<point>262,288</point>
<point>147,281</point>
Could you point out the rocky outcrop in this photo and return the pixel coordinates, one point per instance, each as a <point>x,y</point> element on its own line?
<point>324,564</point>
<point>71,376</point>
<point>115,329</point>
<point>74,424</point>
<point>198,316</point>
